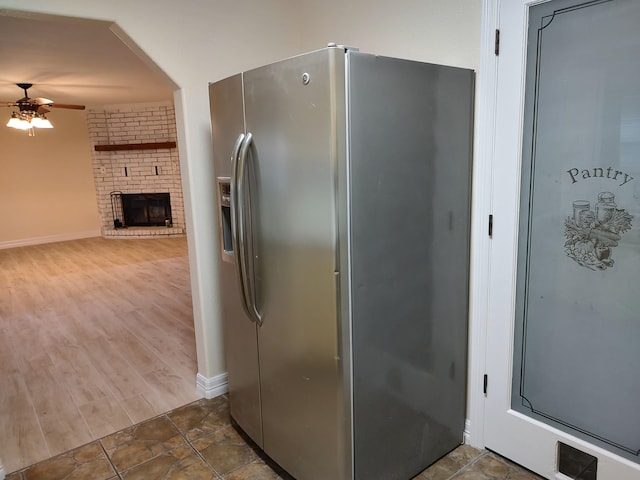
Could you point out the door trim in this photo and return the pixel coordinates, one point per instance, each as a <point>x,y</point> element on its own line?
<point>487,87</point>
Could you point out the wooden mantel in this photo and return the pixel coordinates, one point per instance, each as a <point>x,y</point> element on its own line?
<point>133,146</point>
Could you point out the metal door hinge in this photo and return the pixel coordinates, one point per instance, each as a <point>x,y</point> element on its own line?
<point>490,225</point>
<point>485,382</point>
<point>497,43</point>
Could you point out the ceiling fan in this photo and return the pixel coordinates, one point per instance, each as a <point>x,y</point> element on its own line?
<point>32,110</point>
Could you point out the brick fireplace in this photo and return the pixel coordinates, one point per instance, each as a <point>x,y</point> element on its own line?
<point>135,155</point>
<point>146,209</point>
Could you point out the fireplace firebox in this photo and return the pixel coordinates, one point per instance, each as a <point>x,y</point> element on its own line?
<point>146,209</point>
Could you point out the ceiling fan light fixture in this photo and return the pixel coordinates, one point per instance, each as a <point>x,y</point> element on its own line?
<point>32,111</point>
<point>40,121</point>
<point>16,121</point>
<point>28,121</point>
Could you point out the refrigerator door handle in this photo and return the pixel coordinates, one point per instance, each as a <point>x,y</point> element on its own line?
<point>237,226</point>
<point>246,217</point>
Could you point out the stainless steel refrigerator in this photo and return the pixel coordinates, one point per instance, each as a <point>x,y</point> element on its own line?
<point>343,184</point>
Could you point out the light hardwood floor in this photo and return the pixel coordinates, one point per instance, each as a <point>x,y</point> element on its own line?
<point>95,335</point>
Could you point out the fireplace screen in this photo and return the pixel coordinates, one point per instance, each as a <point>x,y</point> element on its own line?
<point>146,209</point>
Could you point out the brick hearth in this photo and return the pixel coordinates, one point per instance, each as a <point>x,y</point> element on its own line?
<point>154,170</point>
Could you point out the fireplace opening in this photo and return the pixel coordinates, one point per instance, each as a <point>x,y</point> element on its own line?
<point>146,209</point>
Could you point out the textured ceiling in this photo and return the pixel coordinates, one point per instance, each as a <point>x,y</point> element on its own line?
<point>74,61</point>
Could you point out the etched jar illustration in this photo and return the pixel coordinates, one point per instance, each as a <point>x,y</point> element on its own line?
<point>591,235</point>
<point>580,206</point>
<point>605,207</point>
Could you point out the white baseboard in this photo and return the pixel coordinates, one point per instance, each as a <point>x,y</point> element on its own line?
<point>49,239</point>
<point>211,387</point>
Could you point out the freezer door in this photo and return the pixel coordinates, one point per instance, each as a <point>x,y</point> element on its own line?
<point>410,168</point>
<point>240,336</point>
<point>289,112</point>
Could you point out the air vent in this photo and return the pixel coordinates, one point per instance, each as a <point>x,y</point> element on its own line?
<point>576,464</point>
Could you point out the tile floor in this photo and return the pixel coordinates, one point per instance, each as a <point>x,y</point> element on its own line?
<point>198,442</point>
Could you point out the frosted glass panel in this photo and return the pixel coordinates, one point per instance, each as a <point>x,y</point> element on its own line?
<point>577,352</point>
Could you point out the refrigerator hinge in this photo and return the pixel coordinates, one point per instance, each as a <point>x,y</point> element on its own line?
<point>490,226</point>
<point>346,48</point>
<point>497,43</point>
<point>485,382</point>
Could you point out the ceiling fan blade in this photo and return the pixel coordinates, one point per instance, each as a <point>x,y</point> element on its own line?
<point>64,105</point>
<point>41,101</point>
<point>42,109</point>
<point>8,104</point>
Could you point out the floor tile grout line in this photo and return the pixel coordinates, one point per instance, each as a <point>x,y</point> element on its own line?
<point>109,386</point>
<point>197,452</point>
<point>476,459</point>
<point>125,471</point>
<point>38,419</point>
<point>471,457</point>
<point>121,473</point>
<point>166,415</point>
<point>109,459</point>
<point>467,465</point>
<point>99,440</point>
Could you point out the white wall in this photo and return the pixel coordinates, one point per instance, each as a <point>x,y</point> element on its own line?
<point>195,42</point>
<point>46,183</point>
<point>436,31</point>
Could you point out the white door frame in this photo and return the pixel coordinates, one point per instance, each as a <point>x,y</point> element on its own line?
<point>486,89</point>
<point>486,303</point>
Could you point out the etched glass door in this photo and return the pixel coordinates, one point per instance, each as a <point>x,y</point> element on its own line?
<point>574,319</point>
<point>578,298</point>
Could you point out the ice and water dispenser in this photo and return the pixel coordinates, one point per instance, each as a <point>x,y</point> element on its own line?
<point>224,200</point>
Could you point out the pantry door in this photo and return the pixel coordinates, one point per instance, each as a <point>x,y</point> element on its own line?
<point>563,322</point>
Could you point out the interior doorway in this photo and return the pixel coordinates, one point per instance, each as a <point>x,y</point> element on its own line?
<point>81,359</point>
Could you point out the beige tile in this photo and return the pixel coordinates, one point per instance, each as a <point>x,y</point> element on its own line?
<point>148,326</point>
<point>473,475</point>
<point>139,408</point>
<point>104,416</point>
<point>464,454</point>
<point>85,463</point>
<point>492,466</point>
<point>74,368</point>
<point>60,308</point>
<point>159,402</point>
<point>181,390</point>
<point>516,472</point>
<point>123,380</point>
<point>202,417</point>
<point>140,443</point>
<point>21,440</point>
<point>62,425</point>
<point>452,463</point>
<point>442,469</point>
<point>138,354</point>
<point>225,450</point>
<point>179,464</point>
<point>8,358</point>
